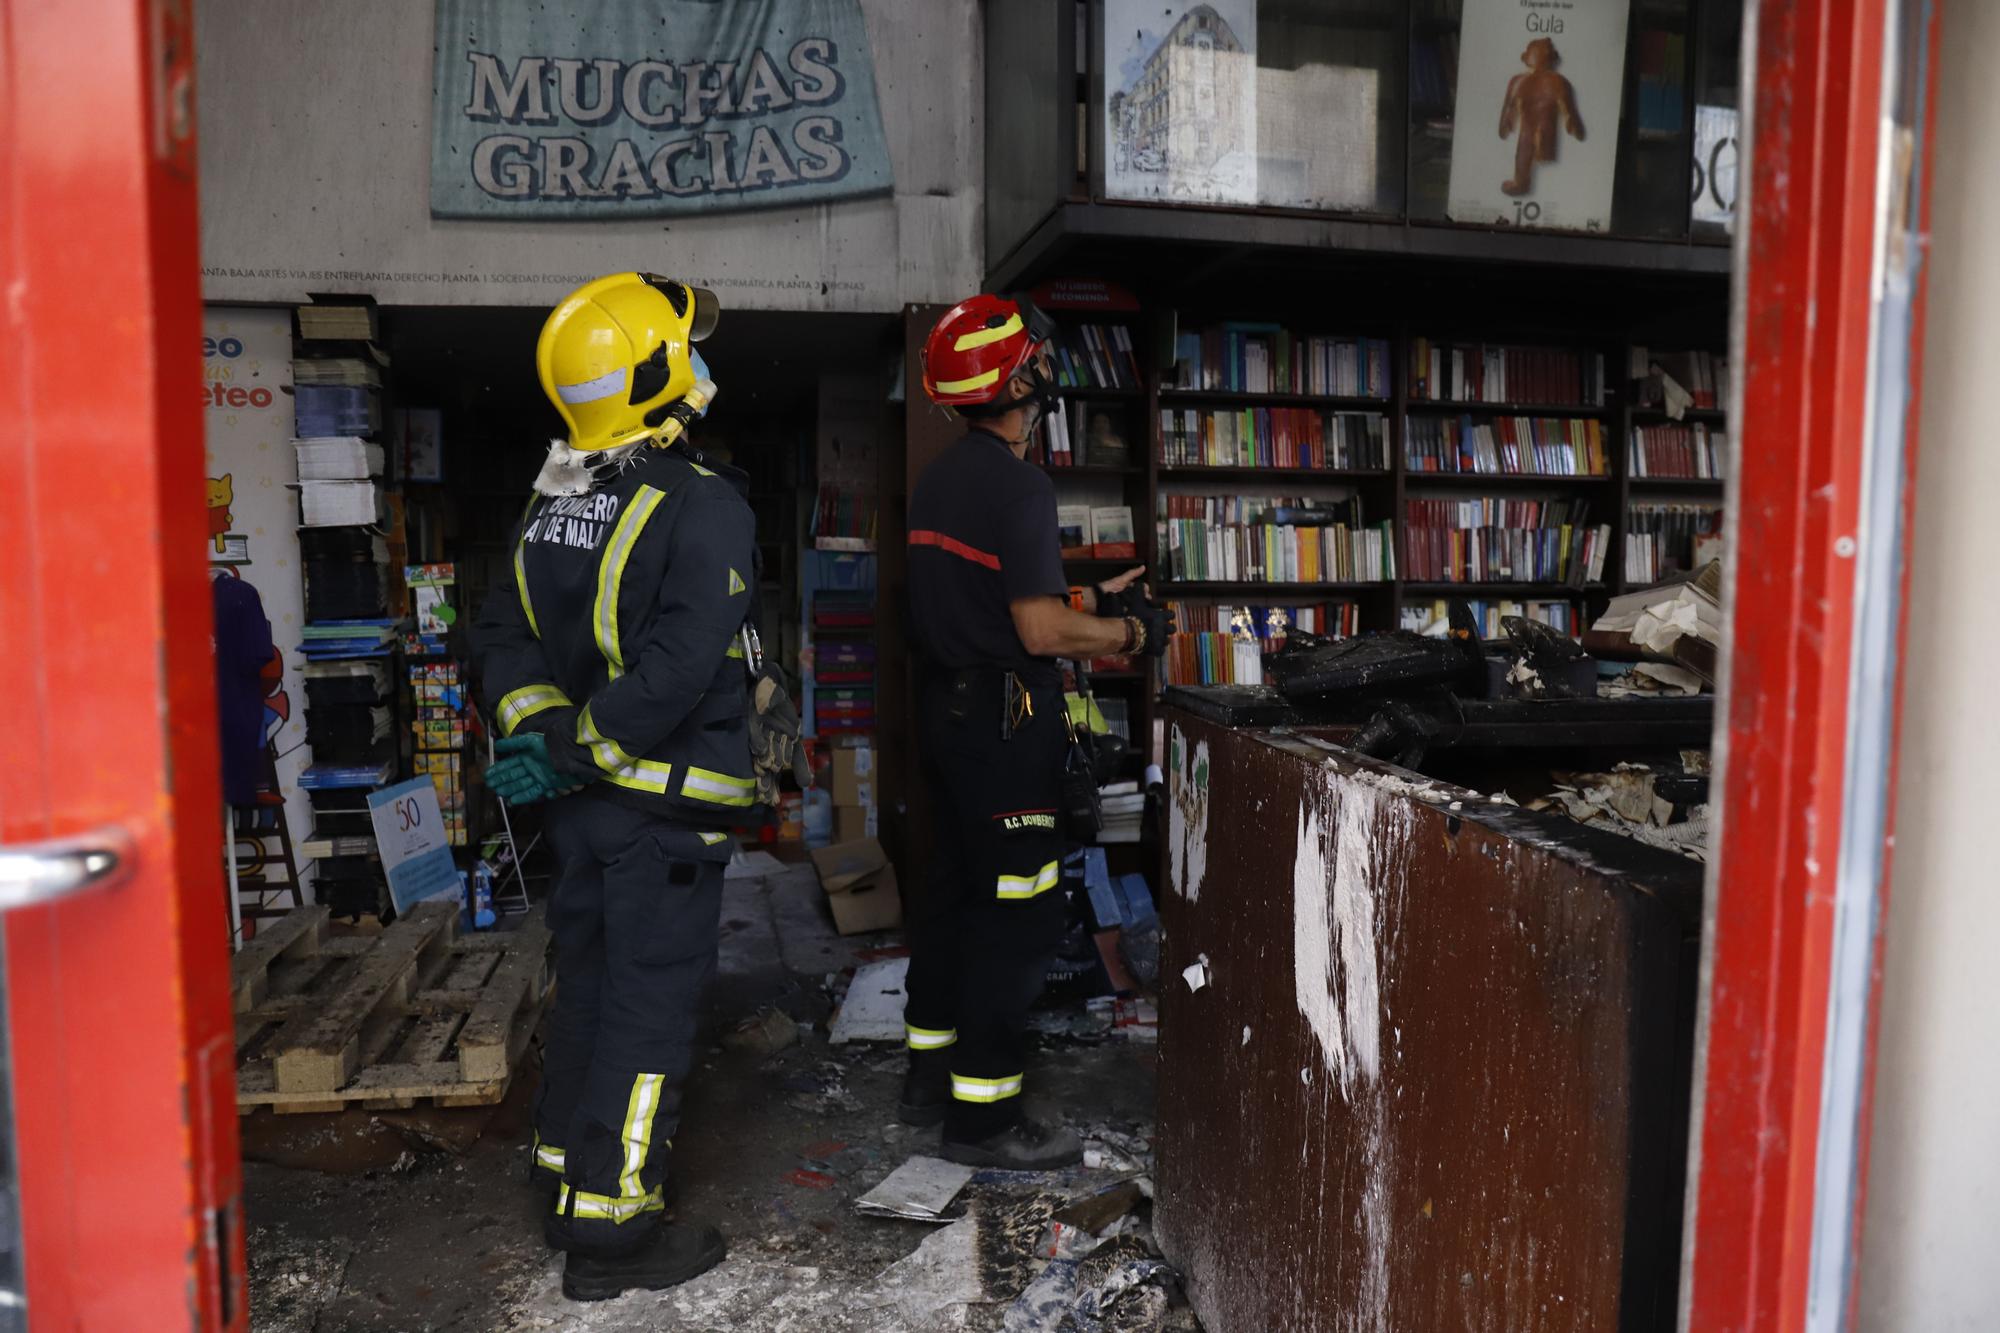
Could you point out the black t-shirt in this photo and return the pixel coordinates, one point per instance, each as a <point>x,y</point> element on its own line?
<point>982,535</point>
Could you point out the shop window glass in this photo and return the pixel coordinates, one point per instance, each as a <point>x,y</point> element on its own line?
<point>1552,114</point>
<point>1272,103</point>
<point>1718,72</point>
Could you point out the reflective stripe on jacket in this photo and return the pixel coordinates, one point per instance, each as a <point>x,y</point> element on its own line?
<point>614,634</point>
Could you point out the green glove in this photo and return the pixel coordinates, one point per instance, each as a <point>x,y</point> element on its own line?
<point>525,775</point>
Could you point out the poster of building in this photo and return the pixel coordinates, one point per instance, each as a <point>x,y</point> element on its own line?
<point>1535,130</point>
<point>1180,101</point>
<point>253,512</point>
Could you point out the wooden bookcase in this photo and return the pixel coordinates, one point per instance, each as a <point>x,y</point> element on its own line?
<point>1384,492</point>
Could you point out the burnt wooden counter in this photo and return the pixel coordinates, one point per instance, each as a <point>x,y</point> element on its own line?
<point>1436,1074</point>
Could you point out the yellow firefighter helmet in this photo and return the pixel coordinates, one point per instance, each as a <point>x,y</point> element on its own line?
<point>618,352</point>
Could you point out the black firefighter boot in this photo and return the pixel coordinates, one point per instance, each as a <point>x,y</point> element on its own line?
<point>674,1253</point>
<point>926,1089</point>
<point>1025,1145</point>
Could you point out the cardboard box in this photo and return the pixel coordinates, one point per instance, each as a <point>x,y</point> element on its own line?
<point>854,775</point>
<point>860,886</point>
<point>851,823</point>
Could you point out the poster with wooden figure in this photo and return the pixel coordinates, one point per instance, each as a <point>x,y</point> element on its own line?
<point>1535,132</point>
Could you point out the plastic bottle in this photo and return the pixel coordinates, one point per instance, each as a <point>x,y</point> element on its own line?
<point>482,895</point>
<point>819,817</point>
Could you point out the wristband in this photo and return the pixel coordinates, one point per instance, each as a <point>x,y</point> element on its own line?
<point>1076,598</point>
<point>1135,636</point>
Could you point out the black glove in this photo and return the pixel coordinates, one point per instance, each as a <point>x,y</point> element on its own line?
<point>1159,623</point>
<point>1127,601</point>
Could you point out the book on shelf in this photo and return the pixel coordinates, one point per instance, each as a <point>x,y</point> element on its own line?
<point>843,520</point>
<point>1506,446</point>
<point>1496,540</point>
<point>337,458</point>
<point>1224,645</point>
<point>1434,617</point>
<point>1277,437</point>
<point>1688,452</point>
<point>1702,376</point>
<point>1666,539</point>
<point>1073,531</point>
<point>1111,536</point>
<point>1268,624</point>
<point>1095,356</point>
<point>345,322</point>
<point>1081,436</point>
<point>1255,539</point>
<point>1243,357</point>
<point>1451,372</point>
<point>339,504</point>
<point>351,370</point>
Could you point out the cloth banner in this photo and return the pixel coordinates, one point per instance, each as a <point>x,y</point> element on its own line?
<point>635,108</point>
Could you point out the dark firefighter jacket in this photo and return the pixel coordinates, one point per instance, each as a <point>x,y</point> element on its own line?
<point>617,636</point>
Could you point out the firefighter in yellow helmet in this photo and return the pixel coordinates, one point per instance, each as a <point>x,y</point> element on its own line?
<point>618,664</point>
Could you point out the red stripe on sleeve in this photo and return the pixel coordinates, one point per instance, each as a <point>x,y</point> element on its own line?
<point>925,537</point>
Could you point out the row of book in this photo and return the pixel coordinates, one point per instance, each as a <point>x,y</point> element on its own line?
<point>1448,372</point>
<point>1225,645</point>
<point>1101,532</point>
<point>843,520</point>
<point>1430,617</point>
<point>1494,540</point>
<point>1678,451</point>
<point>1095,356</point>
<point>1079,438</point>
<point>1703,375</point>
<point>1507,446</point>
<point>1269,625</point>
<point>1268,358</point>
<point>1245,540</point>
<point>1663,539</point>
<point>1279,437</point>
<point>843,626</point>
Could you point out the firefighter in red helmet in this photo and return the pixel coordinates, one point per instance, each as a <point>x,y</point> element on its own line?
<point>991,614</point>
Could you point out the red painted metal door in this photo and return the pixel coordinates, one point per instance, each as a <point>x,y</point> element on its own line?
<point>119,1057</point>
<point>1830,287</point>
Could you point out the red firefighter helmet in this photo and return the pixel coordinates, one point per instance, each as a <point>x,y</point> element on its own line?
<point>979,345</point>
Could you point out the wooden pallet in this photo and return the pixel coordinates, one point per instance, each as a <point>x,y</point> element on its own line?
<point>414,1014</point>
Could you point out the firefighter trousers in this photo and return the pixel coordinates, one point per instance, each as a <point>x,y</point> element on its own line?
<point>634,912</point>
<point>993,909</point>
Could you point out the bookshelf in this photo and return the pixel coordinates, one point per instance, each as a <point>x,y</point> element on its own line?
<point>1385,492</point>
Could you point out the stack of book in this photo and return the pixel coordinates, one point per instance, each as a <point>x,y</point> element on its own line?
<point>1494,540</point>
<point>1694,451</point>
<point>1124,807</point>
<point>1254,539</point>
<point>1446,372</point>
<point>1243,357</point>
<point>843,625</point>
<point>1507,446</point>
<point>1284,437</point>
<point>1664,539</point>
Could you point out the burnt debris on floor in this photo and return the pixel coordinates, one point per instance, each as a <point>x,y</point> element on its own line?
<point>423,1220</point>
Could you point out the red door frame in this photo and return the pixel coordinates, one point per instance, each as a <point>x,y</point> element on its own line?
<point>1786,1071</point>
<point>122,1053</point>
